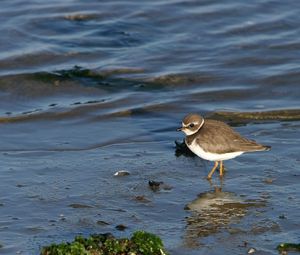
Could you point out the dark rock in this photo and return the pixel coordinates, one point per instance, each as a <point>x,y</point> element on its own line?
<point>282,217</point>
<point>121,227</point>
<point>154,185</point>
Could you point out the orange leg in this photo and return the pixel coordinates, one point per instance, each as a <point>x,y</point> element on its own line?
<point>221,168</point>
<point>212,170</point>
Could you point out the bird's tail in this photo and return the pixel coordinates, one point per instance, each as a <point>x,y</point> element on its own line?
<point>251,145</point>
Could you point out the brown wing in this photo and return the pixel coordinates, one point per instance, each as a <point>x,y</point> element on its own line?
<point>218,137</point>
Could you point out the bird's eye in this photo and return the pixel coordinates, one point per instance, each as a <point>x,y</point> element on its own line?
<point>191,125</point>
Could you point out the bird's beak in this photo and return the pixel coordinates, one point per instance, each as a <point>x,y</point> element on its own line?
<point>179,129</point>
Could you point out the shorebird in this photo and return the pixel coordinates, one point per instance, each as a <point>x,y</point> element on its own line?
<point>215,141</point>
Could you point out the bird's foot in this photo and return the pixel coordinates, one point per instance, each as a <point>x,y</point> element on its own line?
<point>208,178</point>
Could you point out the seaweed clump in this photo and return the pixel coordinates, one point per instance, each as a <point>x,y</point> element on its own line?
<point>285,247</point>
<point>182,149</point>
<point>141,243</point>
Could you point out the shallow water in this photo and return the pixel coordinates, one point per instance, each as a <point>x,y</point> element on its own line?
<point>90,88</point>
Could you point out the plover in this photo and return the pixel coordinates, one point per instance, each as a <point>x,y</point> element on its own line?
<point>215,141</point>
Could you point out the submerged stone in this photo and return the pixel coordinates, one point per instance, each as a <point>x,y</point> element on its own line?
<point>121,173</point>
<point>121,227</point>
<point>154,185</point>
<point>102,222</point>
<point>76,206</point>
<point>158,185</point>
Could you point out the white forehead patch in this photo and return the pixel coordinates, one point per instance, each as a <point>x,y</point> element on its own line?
<point>187,131</point>
<point>186,125</point>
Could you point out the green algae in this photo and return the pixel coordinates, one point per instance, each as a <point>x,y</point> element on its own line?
<point>79,72</point>
<point>147,243</point>
<point>244,117</point>
<point>284,247</point>
<point>141,243</point>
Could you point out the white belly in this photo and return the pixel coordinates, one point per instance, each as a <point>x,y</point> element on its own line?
<point>212,156</point>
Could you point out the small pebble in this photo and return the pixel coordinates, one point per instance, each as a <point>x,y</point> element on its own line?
<point>218,189</point>
<point>154,183</point>
<point>251,250</point>
<point>282,217</point>
<point>142,199</point>
<point>269,180</point>
<point>121,173</point>
<point>62,217</point>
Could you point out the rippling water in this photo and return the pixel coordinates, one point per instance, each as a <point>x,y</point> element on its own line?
<point>88,88</point>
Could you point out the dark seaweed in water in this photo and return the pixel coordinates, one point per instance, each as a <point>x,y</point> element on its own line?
<point>182,149</point>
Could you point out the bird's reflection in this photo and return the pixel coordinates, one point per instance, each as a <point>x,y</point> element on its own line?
<point>212,212</point>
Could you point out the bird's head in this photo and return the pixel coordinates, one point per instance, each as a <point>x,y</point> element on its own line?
<point>191,124</point>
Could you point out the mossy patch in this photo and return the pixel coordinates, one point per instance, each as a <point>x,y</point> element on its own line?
<point>288,247</point>
<point>141,243</point>
<point>245,117</point>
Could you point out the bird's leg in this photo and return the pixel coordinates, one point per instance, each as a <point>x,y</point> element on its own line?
<point>221,168</point>
<point>212,170</point>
